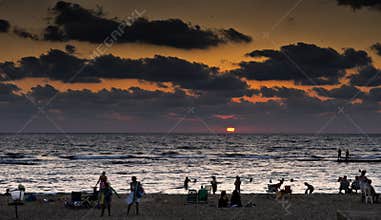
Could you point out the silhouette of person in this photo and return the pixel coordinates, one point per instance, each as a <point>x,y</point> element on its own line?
<point>339,154</point>
<point>235,200</point>
<point>224,200</point>
<point>309,189</point>
<point>135,195</point>
<point>106,203</point>
<point>237,183</point>
<point>214,185</point>
<point>186,182</point>
<point>102,180</point>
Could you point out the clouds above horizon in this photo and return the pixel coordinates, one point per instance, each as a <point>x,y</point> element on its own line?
<point>359,4</point>
<point>138,107</point>
<point>73,22</point>
<point>376,48</point>
<point>306,64</point>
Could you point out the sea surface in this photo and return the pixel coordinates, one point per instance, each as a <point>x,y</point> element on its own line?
<point>51,163</point>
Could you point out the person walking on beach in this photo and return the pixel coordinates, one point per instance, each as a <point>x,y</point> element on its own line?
<point>186,183</point>
<point>237,183</point>
<point>339,154</point>
<point>102,180</point>
<point>105,200</point>
<point>309,189</point>
<point>135,195</point>
<point>214,185</point>
<point>347,155</point>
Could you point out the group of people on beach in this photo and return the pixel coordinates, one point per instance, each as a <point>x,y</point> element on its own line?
<point>361,182</point>
<point>339,157</point>
<point>106,192</point>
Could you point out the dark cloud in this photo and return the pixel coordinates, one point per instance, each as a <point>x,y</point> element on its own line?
<point>281,92</point>
<point>58,65</point>
<point>359,4</point>
<point>377,48</point>
<point>24,33</point>
<point>375,94</point>
<point>367,76</point>
<point>136,109</point>
<point>7,92</point>
<point>73,22</point>
<point>4,25</point>
<point>43,92</point>
<point>304,63</point>
<point>343,92</point>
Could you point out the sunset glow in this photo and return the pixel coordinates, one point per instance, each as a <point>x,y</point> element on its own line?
<point>230,129</point>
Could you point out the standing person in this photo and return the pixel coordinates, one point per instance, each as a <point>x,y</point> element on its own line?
<point>309,189</point>
<point>347,155</point>
<point>214,185</point>
<point>136,194</point>
<point>339,154</point>
<point>237,183</point>
<point>344,184</point>
<point>186,182</point>
<point>107,198</point>
<point>102,180</point>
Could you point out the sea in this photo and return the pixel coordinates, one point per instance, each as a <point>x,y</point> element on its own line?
<point>53,163</point>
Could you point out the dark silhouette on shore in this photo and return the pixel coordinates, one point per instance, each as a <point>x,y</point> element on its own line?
<point>309,189</point>
<point>237,183</point>
<point>136,194</point>
<point>214,185</point>
<point>186,183</point>
<point>106,199</point>
<point>339,154</point>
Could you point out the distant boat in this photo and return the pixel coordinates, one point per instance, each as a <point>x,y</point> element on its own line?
<point>359,161</point>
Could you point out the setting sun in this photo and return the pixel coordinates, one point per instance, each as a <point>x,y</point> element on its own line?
<point>230,129</point>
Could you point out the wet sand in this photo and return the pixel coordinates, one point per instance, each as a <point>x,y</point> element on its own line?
<point>162,206</point>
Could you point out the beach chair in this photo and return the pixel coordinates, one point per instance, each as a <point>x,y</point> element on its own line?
<point>203,196</point>
<point>192,196</point>
<point>76,200</point>
<point>76,196</point>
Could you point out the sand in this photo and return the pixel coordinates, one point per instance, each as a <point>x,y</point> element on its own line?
<point>162,206</point>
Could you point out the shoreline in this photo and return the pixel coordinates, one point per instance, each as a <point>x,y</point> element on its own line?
<point>174,206</point>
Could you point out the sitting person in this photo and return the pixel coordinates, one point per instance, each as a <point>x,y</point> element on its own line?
<point>355,184</point>
<point>344,184</point>
<point>309,189</point>
<point>203,194</point>
<point>235,200</point>
<point>7,193</point>
<point>223,201</point>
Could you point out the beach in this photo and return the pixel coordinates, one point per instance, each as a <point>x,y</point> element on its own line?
<point>166,206</point>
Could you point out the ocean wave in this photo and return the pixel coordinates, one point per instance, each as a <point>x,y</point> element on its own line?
<point>96,157</point>
<point>248,156</point>
<point>19,162</point>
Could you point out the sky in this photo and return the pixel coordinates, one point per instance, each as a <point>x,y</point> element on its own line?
<point>261,66</point>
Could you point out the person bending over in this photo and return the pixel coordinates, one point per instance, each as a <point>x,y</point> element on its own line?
<point>309,189</point>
